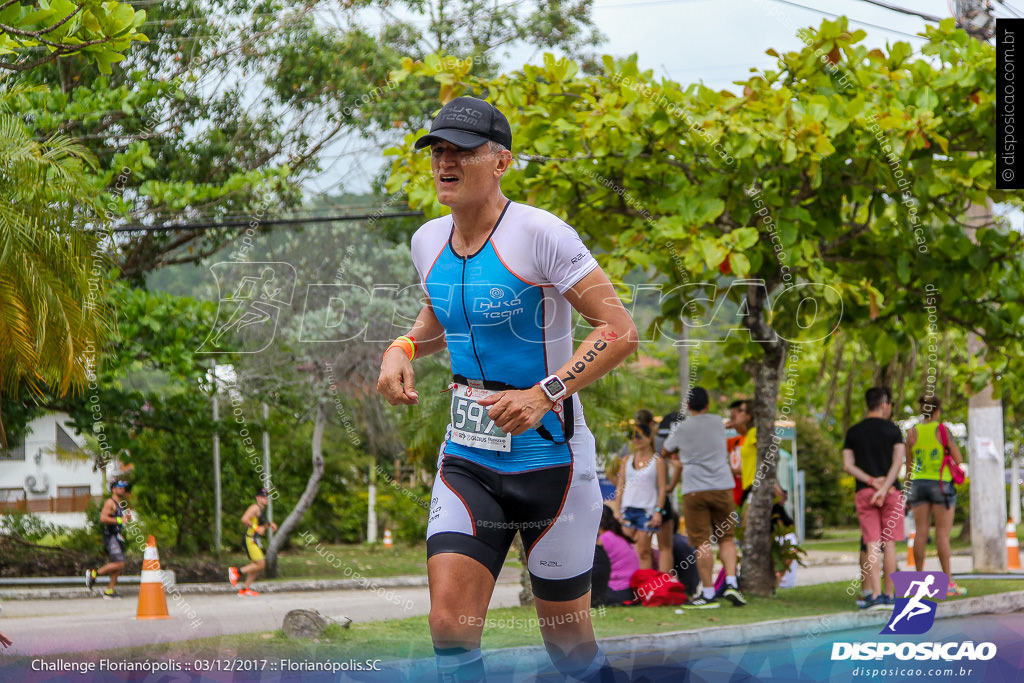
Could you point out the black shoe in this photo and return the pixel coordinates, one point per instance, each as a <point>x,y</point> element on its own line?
<point>734,596</point>
<point>110,595</point>
<point>882,602</point>
<point>700,602</point>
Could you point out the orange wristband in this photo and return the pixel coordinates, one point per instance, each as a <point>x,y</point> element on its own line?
<point>407,344</point>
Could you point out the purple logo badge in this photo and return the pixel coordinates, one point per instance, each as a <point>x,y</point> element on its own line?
<point>914,612</point>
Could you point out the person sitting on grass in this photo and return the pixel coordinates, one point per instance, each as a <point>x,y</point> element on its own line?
<point>622,558</point>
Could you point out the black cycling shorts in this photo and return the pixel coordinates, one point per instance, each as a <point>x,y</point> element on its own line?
<point>476,512</point>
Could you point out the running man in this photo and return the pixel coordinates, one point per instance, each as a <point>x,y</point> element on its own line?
<point>255,522</point>
<point>501,281</point>
<point>113,516</point>
<point>914,605</point>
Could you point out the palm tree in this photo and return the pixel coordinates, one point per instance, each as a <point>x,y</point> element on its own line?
<point>54,315</point>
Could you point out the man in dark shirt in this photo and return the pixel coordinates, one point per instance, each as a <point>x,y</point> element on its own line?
<point>873,453</point>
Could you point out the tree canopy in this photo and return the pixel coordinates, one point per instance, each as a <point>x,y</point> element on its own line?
<point>101,30</point>
<point>830,191</point>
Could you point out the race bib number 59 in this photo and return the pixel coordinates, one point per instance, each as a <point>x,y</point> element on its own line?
<point>470,424</point>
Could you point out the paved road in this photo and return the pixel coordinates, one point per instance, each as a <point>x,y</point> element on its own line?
<point>77,625</point>
<point>825,567</point>
<point>80,625</point>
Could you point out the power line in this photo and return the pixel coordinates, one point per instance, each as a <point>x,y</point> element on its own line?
<point>1010,8</point>
<point>856,21</point>
<point>904,10</point>
<point>265,222</point>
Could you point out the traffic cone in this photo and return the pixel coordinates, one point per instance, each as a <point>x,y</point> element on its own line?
<point>388,543</point>
<point>910,551</point>
<point>1012,547</point>
<point>152,601</point>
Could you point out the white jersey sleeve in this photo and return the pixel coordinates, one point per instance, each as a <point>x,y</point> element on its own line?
<point>562,257</point>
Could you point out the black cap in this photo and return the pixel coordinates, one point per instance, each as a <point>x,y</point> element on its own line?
<point>467,123</point>
<point>261,492</point>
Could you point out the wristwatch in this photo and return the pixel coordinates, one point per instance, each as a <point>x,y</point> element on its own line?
<point>553,388</point>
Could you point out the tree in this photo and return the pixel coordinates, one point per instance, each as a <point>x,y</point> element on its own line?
<point>790,188</point>
<point>101,30</point>
<point>230,108</point>
<point>149,406</point>
<point>53,314</point>
<point>322,358</point>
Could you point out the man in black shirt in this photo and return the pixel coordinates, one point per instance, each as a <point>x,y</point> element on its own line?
<point>873,453</point>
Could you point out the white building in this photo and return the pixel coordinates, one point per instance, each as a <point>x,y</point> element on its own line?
<point>34,479</point>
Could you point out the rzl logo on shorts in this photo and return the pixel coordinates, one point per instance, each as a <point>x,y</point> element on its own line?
<point>914,612</point>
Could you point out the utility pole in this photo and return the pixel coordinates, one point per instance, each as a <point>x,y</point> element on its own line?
<point>267,481</point>
<point>984,413</point>
<point>371,512</point>
<point>216,462</point>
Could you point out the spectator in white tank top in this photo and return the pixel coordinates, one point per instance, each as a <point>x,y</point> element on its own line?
<point>640,490</point>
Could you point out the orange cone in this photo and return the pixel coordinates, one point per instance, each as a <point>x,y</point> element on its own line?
<point>1012,547</point>
<point>910,550</point>
<point>152,601</point>
<point>388,543</point>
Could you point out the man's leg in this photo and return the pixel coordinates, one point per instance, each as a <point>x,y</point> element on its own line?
<point>706,565</point>
<point>113,569</point>
<point>889,555</point>
<point>870,518</point>
<point>874,562</point>
<point>560,558</point>
<point>468,538</point>
<point>727,552</point>
<point>698,524</point>
<point>567,632</point>
<point>115,566</point>
<point>251,571</point>
<point>724,519</point>
<point>460,589</point>
<point>891,532</point>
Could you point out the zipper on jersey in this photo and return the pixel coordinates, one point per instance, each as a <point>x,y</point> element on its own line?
<point>469,327</point>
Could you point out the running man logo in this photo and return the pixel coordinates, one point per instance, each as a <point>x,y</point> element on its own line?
<point>914,613</point>
<point>247,318</point>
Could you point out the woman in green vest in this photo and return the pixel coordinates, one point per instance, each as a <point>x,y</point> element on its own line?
<point>932,497</point>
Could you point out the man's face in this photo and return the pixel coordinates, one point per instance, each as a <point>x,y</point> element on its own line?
<point>887,408</point>
<point>463,176</point>
<point>261,501</point>
<point>738,417</point>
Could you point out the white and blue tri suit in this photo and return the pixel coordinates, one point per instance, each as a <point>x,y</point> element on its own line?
<point>508,325</point>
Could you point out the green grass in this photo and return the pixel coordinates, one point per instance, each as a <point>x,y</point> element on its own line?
<point>330,561</point>
<point>306,562</point>
<point>516,627</point>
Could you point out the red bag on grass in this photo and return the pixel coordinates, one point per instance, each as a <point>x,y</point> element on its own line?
<point>655,588</point>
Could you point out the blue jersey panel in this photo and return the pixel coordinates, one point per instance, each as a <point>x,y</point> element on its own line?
<point>494,322</point>
<point>494,326</point>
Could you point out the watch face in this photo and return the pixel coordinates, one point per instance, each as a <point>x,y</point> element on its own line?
<point>554,385</point>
